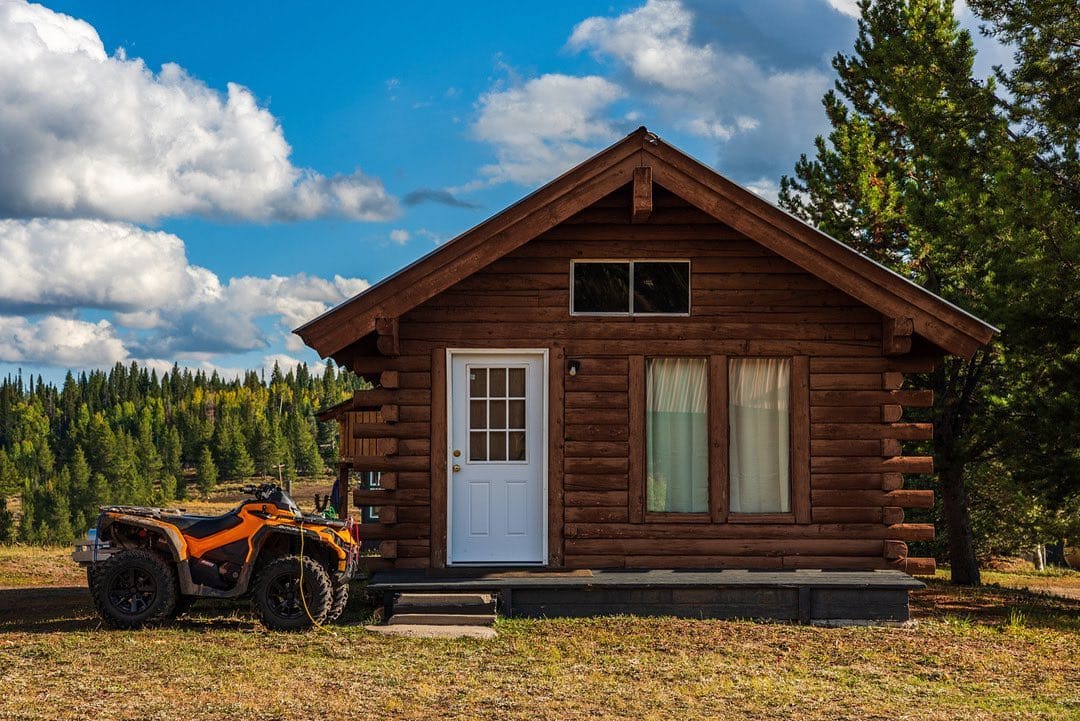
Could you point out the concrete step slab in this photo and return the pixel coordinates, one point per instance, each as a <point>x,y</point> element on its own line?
<point>425,631</point>
<point>442,619</point>
<point>444,599</point>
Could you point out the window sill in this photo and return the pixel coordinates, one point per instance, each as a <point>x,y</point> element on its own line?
<point>672,517</point>
<point>761,517</point>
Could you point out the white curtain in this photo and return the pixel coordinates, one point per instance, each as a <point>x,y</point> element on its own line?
<point>677,435</point>
<point>759,429</point>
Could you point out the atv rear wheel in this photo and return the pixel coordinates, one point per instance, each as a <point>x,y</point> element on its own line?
<point>133,588</point>
<point>340,585</point>
<point>281,605</point>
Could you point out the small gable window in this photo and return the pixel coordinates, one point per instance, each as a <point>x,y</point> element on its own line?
<point>630,287</point>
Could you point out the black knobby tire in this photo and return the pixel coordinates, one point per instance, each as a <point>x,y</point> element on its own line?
<point>340,584</point>
<point>278,599</point>
<point>134,588</point>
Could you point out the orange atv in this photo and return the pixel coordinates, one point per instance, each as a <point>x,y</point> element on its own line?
<point>146,565</point>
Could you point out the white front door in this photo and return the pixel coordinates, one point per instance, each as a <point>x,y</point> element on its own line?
<point>498,458</point>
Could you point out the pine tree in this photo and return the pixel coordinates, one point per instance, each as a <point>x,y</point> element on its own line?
<point>7,522</point>
<point>206,472</point>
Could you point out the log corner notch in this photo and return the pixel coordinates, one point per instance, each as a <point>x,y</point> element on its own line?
<point>896,335</point>
<point>643,195</point>
<point>387,331</point>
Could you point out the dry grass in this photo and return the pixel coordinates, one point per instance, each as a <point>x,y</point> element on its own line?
<point>35,566</point>
<point>972,654</point>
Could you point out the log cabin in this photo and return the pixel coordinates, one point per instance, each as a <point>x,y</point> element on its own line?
<point>641,365</point>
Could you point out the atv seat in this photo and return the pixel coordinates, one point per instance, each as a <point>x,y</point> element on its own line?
<point>203,526</point>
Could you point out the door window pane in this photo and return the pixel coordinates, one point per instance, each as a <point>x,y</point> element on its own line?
<point>601,287</point>
<point>497,414</point>
<point>661,287</point>
<point>677,435</point>
<point>759,391</point>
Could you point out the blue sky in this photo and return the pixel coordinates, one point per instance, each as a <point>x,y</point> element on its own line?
<point>186,182</point>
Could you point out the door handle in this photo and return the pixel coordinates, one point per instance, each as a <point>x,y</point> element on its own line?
<point>456,468</point>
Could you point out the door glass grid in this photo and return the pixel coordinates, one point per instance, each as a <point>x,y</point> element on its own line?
<point>496,414</point>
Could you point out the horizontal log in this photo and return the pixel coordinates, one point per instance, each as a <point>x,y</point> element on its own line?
<point>387,515</point>
<point>366,365</point>
<point>596,432</point>
<point>902,464</point>
<point>838,481</point>
<point>845,447</point>
<point>905,498</point>
<point>595,465</point>
<point>642,232</point>
<point>411,414</point>
<point>625,328</point>
<point>846,414</point>
<point>912,399</point>
<point>586,382</point>
<point>892,515</point>
<point>594,562</point>
<point>389,412</point>
<point>723,547</point>
<point>908,364</point>
<point>889,447</point>
<point>379,532</point>
<point>899,431</point>
<point>589,399</point>
<point>892,380</point>
<point>597,416</point>
<point>890,413</point>
<point>852,381</point>
<point>647,346</point>
<point>595,498</point>
<point>389,463</point>
<point>835,514</point>
<point>414,514</point>
<point>596,481</point>
<point>423,562</point>
<point>405,497</point>
<point>376,397</point>
<point>370,564</point>
<point>389,379</point>
<point>895,549</point>
<point>596,514</point>
<point>414,479</point>
<point>835,531</point>
<point>707,561</point>
<point>411,446</point>
<point>920,566</point>
<point>391,430</point>
<point>892,481</point>
<point>596,449</point>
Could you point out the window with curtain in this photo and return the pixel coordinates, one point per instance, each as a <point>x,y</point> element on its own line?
<point>759,427</point>
<point>677,435</point>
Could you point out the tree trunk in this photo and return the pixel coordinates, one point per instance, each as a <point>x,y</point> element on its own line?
<point>962,560</point>
<point>1040,557</point>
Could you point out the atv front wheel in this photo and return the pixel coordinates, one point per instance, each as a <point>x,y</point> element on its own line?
<point>278,598</point>
<point>133,588</point>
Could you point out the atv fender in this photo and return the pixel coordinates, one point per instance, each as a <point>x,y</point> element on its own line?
<point>175,542</point>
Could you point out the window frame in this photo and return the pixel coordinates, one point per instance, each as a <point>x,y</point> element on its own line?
<point>630,313</point>
<point>719,445</point>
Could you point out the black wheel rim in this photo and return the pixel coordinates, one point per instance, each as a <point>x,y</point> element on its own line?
<point>283,596</point>
<point>132,591</point>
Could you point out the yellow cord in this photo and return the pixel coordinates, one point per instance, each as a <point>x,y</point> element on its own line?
<point>303,600</point>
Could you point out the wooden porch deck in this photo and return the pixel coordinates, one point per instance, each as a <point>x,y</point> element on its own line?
<point>803,596</point>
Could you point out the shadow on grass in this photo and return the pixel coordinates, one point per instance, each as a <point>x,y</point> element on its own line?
<point>51,609</point>
<point>995,606</point>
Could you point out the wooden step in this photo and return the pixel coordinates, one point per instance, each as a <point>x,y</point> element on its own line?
<point>445,603</point>
<point>442,619</point>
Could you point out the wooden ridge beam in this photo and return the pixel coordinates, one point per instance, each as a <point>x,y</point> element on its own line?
<point>642,207</point>
<point>896,335</point>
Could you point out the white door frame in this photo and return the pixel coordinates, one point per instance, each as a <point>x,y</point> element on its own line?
<point>542,353</point>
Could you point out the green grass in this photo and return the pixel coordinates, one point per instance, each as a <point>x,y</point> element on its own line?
<point>984,653</point>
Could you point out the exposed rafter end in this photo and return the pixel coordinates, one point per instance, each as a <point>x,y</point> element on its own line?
<point>643,195</point>
<point>896,335</point>
<point>387,330</point>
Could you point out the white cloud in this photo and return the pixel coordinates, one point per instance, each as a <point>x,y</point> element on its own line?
<point>59,341</point>
<point>400,236</point>
<point>845,7</point>
<point>87,134</point>
<point>754,113</point>
<point>96,264</point>
<point>544,126</point>
<point>164,305</point>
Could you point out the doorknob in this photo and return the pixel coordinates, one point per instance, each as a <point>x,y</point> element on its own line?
<point>456,468</point>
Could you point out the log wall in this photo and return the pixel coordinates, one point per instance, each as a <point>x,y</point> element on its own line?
<point>745,301</point>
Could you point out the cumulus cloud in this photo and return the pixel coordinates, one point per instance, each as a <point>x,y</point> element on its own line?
<point>58,341</point>
<point>88,134</point>
<point>545,126</point>
<point>400,236</point>
<point>757,114</point>
<point>162,305</point>
<point>94,264</point>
